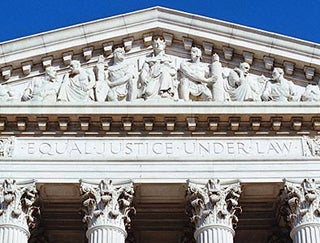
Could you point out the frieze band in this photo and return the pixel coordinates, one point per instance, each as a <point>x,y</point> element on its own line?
<point>158,148</point>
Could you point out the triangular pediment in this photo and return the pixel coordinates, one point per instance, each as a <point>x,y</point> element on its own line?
<point>23,61</point>
<point>87,41</point>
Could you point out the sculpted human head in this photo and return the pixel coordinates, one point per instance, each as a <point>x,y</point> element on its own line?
<point>245,67</point>
<point>277,73</point>
<point>51,72</point>
<point>119,54</point>
<point>196,53</point>
<point>75,66</point>
<point>215,57</point>
<point>158,45</point>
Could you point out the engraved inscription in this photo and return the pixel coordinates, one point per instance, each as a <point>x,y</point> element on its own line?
<point>160,148</point>
<point>156,148</point>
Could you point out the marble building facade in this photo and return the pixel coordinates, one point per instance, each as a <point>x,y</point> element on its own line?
<point>159,126</point>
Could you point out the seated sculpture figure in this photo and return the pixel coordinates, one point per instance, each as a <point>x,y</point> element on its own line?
<point>77,85</point>
<point>116,83</point>
<point>242,86</point>
<point>311,93</point>
<point>279,89</point>
<point>195,76</point>
<point>44,88</point>
<point>158,73</point>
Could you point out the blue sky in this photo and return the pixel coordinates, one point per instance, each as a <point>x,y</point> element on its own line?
<point>296,18</point>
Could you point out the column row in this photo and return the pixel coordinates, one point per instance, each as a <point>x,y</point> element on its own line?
<point>212,207</point>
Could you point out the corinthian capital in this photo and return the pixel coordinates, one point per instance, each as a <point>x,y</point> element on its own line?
<point>17,204</point>
<point>213,203</point>
<point>300,202</point>
<point>106,203</point>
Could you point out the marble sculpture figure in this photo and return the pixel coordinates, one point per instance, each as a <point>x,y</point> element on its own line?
<point>43,88</point>
<point>161,77</point>
<point>77,85</point>
<point>158,74</point>
<point>195,78</point>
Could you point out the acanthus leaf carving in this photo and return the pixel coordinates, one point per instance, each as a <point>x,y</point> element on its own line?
<point>213,203</point>
<point>107,204</point>
<point>300,202</point>
<point>18,204</point>
<point>313,145</point>
<point>6,147</point>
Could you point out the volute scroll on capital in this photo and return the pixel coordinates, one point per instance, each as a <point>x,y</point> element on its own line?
<point>160,77</point>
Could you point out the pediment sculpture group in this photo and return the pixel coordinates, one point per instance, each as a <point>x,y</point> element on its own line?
<point>159,79</point>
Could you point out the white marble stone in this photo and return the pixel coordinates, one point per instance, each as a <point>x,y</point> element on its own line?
<point>160,142</point>
<point>195,78</point>
<point>77,85</point>
<point>299,206</point>
<point>106,208</point>
<point>257,41</point>
<point>158,75</point>
<point>148,149</point>
<point>213,209</point>
<point>17,210</point>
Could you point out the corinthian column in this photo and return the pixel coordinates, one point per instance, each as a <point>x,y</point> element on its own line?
<point>106,208</point>
<point>212,208</point>
<point>17,213</point>
<point>300,208</point>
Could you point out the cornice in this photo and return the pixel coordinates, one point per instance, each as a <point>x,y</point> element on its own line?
<point>178,23</point>
<point>174,118</point>
<point>155,107</point>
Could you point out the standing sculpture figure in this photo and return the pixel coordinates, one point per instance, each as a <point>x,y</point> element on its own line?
<point>243,88</point>
<point>44,88</point>
<point>77,85</point>
<point>158,74</point>
<point>117,83</point>
<point>220,88</point>
<point>195,78</point>
<point>279,89</point>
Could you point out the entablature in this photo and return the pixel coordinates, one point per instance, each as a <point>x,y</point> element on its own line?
<point>161,119</point>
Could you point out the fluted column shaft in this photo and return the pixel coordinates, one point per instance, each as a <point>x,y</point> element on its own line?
<point>106,234</point>
<point>106,207</point>
<point>212,207</point>
<point>214,234</point>
<point>13,234</point>
<point>300,204</point>
<point>307,233</point>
